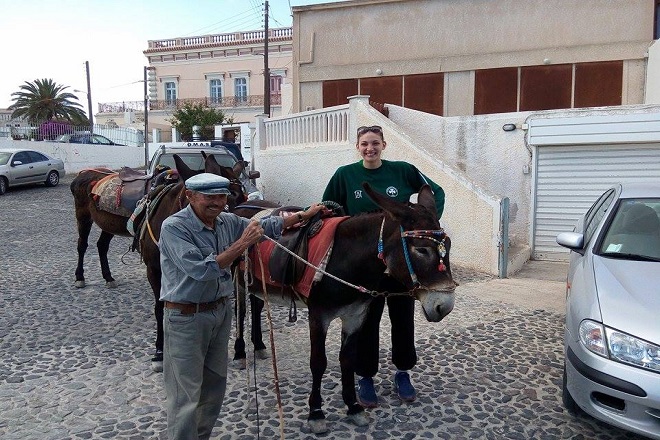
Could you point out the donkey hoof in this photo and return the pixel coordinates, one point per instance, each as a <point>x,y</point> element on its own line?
<point>157,366</point>
<point>111,284</point>
<point>80,284</point>
<point>317,426</point>
<point>261,354</point>
<point>240,364</point>
<point>359,419</point>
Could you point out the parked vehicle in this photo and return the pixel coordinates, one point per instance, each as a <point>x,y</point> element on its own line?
<point>192,156</point>
<point>21,166</point>
<point>612,335</point>
<point>86,138</point>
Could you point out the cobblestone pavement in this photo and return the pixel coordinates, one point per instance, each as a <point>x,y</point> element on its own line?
<point>75,362</point>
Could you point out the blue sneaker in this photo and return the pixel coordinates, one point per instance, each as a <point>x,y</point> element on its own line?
<point>403,387</point>
<point>366,394</point>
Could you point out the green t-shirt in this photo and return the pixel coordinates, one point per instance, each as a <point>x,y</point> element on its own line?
<point>397,179</point>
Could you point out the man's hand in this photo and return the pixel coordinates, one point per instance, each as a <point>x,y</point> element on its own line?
<point>252,233</point>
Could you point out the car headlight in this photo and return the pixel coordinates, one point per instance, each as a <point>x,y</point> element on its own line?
<point>619,346</point>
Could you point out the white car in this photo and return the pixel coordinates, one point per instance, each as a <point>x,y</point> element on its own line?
<point>21,167</point>
<point>192,156</point>
<point>612,333</point>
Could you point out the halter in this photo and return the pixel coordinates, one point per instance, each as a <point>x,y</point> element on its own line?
<point>428,234</point>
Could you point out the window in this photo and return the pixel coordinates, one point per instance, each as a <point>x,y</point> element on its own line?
<point>496,90</point>
<point>240,89</point>
<point>170,92</point>
<point>596,214</point>
<point>23,157</point>
<point>275,85</point>
<point>336,92</point>
<point>35,156</point>
<point>215,91</point>
<point>598,84</point>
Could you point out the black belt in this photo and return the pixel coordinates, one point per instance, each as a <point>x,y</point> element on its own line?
<point>191,308</point>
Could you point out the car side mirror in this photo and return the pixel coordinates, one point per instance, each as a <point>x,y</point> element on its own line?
<point>254,175</point>
<point>16,163</point>
<point>571,240</point>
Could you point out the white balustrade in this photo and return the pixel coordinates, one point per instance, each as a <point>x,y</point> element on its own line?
<point>324,126</point>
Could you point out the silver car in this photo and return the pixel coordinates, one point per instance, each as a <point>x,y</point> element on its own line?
<point>21,166</point>
<point>612,333</point>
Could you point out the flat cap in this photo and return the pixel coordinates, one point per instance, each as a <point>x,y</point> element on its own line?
<point>208,183</point>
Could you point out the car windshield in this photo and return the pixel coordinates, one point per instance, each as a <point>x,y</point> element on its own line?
<point>634,231</point>
<point>195,161</point>
<point>4,157</point>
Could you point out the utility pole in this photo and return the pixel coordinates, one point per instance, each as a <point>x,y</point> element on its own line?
<point>146,121</point>
<point>266,70</point>
<point>89,100</point>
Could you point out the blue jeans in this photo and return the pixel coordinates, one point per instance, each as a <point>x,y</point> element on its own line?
<point>195,369</point>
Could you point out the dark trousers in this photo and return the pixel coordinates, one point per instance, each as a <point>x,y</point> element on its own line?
<point>401,310</point>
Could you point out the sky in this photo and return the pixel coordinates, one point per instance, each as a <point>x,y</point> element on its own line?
<point>54,38</point>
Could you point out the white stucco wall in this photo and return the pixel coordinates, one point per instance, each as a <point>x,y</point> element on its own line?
<point>479,148</point>
<point>78,157</point>
<point>653,75</point>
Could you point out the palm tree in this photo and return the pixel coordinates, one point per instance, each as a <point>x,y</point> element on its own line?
<point>45,100</point>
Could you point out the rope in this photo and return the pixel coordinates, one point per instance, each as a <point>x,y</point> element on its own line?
<point>280,409</point>
<point>318,269</point>
<point>247,329</point>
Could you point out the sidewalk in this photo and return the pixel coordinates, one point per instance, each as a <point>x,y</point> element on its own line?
<point>538,285</point>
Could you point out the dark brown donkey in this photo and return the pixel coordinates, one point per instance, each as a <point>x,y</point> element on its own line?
<point>88,213</point>
<point>400,246</point>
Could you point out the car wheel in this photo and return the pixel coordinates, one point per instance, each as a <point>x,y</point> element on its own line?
<point>3,185</point>
<point>569,403</point>
<point>53,179</point>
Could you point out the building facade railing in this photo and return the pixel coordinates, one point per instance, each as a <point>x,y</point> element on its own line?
<point>324,126</point>
<point>174,104</point>
<point>245,37</point>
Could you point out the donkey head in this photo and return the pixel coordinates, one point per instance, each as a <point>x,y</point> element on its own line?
<point>416,250</point>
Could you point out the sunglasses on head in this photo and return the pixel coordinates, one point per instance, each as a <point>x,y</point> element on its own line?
<point>366,129</point>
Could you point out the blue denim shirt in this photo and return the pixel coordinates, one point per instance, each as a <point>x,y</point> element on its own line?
<point>188,249</point>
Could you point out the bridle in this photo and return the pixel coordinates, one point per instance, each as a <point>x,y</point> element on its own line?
<point>428,234</point>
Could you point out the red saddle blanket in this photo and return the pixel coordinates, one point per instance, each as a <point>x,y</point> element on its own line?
<point>319,248</point>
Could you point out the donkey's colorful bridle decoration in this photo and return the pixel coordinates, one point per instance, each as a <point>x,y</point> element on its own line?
<point>428,234</point>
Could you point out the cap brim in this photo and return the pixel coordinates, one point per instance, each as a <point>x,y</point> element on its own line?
<point>215,191</point>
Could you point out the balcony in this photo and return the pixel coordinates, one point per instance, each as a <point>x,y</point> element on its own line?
<point>216,40</point>
<point>175,104</point>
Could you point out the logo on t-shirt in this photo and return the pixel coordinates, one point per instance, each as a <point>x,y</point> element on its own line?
<point>392,191</point>
<point>358,194</point>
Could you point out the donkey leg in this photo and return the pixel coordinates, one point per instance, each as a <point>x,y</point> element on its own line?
<point>347,357</point>
<point>256,307</point>
<point>153,275</point>
<point>318,362</point>
<point>103,245</point>
<point>239,343</point>
<point>84,227</point>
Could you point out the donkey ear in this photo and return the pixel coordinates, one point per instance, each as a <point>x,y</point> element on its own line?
<point>239,166</point>
<point>426,199</point>
<point>392,207</point>
<point>184,170</point>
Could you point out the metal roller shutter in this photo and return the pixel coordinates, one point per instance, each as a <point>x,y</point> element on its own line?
<point>570,178</point>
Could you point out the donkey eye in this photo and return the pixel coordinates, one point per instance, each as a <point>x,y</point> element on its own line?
<point>424,251</point>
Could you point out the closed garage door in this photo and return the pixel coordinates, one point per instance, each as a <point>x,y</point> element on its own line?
<point>570,178</point>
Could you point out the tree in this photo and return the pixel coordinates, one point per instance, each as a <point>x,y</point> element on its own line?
<point>189,115</point>
<point>45,100</point>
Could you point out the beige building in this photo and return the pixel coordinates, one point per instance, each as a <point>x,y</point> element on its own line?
<point>469,57</point>
<point>223,71</point>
